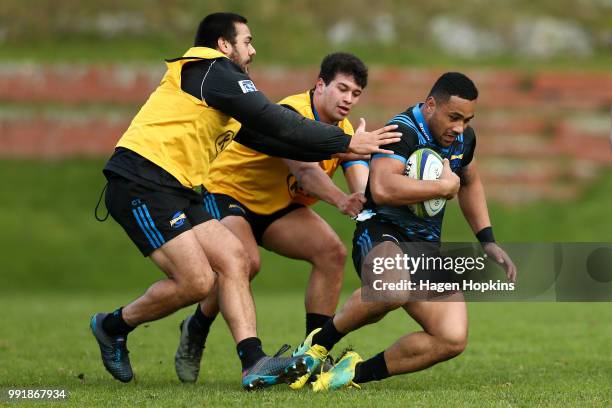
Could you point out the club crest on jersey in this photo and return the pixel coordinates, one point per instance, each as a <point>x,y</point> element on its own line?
<point>247,86</point>
<point>178,219</point>
<point>223,140</point>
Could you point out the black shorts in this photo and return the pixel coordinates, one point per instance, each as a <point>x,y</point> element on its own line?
<point>222,205</point>
<point>152,217</point>
<point>370,233</point>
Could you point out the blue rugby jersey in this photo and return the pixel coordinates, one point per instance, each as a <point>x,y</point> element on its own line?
<point>415,136</point>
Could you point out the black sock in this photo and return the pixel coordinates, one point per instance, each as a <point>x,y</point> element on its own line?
<point>374,369</point>
<point>249,351</point>
<point>114,325</point>
<point>328,336</point>
<point>314,321</point>
<point>199,324</point>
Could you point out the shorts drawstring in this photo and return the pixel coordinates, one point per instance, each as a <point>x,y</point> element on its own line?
<point>98,205</point>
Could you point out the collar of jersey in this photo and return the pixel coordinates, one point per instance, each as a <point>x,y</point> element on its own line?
<point>418,115</point>
<point>312,106</point>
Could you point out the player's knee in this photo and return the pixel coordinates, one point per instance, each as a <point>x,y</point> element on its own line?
<point>235,264</point>
<point>339,253</point>
<point>451,345</point>
<point>254,266</point>
<point>197,288</point>
<point>331,253</point>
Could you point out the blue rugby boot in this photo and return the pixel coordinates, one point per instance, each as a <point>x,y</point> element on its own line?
<point>274,370</point>
<point>113,350</point>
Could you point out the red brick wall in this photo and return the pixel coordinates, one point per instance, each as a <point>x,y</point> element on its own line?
<point>540,134</point>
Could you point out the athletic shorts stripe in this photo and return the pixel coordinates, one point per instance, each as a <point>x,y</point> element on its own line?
<point>215,207</point>
<point>148,221</point>
<point>208,210</point>
<point>211,206</point>
<point>159,235</point>
<point>141,224</point>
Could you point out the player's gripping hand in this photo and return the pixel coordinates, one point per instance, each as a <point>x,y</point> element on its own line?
<point>449,181</point>
<point>352,204</point>
<point>497,254</point>
<point>364,142</point>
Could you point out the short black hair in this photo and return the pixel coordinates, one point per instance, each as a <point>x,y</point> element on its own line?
<point>215,26</point>
<point>453,84</point>
<point>345,63</point>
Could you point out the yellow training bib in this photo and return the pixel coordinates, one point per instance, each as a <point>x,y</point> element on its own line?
<point>264,183</point>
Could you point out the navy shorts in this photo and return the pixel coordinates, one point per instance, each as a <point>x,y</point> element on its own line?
<point>222,205</point>
<point>151,217</point>
<point>372,232</point>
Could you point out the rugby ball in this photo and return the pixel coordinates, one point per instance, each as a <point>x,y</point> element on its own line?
<point>426,164</point>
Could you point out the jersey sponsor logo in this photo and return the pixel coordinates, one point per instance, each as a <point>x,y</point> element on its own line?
<point>422,129</point>
<point>457,156</point>
<point>178,219</point>
<point>223,140</point>
<point>247,86</point>
<point>236,208</point>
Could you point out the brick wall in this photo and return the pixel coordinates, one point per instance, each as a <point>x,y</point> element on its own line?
<point>540,135</point>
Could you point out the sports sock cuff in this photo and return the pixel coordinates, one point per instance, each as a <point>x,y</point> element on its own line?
<point>328,336</point>
<point>250,351</point>
<point>114,325</point>
<point>314,321</point>
<point>200,323</point>
<point>374,369</point>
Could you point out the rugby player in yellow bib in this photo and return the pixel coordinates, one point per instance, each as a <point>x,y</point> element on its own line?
<point>204,101</point>
<point>265,201</point>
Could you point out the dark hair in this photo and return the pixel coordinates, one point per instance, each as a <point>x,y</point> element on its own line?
<point>345,63</point>
<point>453,84</point>
<point>215,26</point>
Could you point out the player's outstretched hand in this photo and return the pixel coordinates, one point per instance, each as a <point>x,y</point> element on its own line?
<point>352,204</point>
<point>449,181</point>
<point>364,142</point>
<point>497,254</point>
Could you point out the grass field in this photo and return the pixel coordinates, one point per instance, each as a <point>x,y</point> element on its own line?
<point>519,355</point>
<point>60,266</point>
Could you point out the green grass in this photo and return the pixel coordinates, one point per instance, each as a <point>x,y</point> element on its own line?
<point>60,266</point>
<point>519,355</point>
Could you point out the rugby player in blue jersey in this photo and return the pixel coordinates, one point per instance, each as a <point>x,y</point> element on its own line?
<point>442,124</point>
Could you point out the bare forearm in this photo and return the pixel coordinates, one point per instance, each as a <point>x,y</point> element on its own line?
<point>318,184</point>
<point>357,178</point>
<point>473,204</point>
<point>397,190</point>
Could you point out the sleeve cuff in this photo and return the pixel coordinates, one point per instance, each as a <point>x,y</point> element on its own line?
<point>346,165</point>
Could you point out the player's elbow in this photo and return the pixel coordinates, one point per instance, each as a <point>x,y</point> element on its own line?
<point>380,194</point>
<point>301,173</point>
